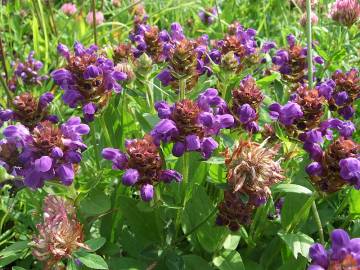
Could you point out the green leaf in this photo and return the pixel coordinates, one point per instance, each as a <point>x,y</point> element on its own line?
<point>194,262</point>
<point>95,244</point>
<point>96,203</point>
<point>91,260</point>
<point>268,79</point>
<point>13,248</point>
<point>354,202</point>
<point>9,259</point>
<point>298,243</point>
<point>71,265</point>
<point>198,209</point>
<point>17,268</point>
<point>229,260</point>
<point>231,242</point>
<point>126,264</point>
<point>291,188</point>
<point>215,160</point>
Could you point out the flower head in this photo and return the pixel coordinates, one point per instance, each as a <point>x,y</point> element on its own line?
<point>251,172</point>
<point>345,12</point>
<point>87,78</point>
<point>68,9</point>
<point>60,233</point>
<point>142,166</point>
<point>47,152</point>
<point>246,100</point>
<point>27,72</point>
<point>99,18</point>
<point>343,254</point>
<point>190,125</point>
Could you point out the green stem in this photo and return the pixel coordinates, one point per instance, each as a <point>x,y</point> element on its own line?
<point>46,39</point>
<point>7,90</point>
<point>309,43</point>
<point>94,20</point>
<point>182,89</point>
<point>2,54</point>
<point>318,222</point>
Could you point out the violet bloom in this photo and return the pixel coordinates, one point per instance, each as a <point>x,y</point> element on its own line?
<point>208,15</point>
<point>345,12</point>
<point>99,18</point>
<point>48,152</point>
<point>68,9</point>
<point>350,171</point>
<point>88,78</point>
<point>343,254</point>
<point>27,72</point>
<point>326,88</point>
<point>267,46</point>
<point>190,125</point>
<point>286,114</point>
<point>142,165</point>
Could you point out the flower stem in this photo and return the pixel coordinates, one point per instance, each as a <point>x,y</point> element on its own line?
<point>309,43</point>
<point>318,222</point>
<point>94,20</point>
<point>2,54</point>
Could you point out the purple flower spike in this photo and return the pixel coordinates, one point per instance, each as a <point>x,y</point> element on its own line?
<point>130,177</point>
<point>246,113</point>
<point>267,46</point>
<point>147,192</point>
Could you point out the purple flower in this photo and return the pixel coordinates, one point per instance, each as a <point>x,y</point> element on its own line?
<point>291,40</point>
<point>350,170</point>
<point>89,111</point>
<point>314,168</point>
<point>208,15</point>
<point>170,175</point>
<point>165,77</point>
<point>267,46</point>
<point>326,89</point>
<point>341,98</point>
<point>189,125</point>
<point>286,114</point>
<point>147,192</point>
<point>130,177</point>
<point>314,150</point>
<point>84,80</point>
<point>246,113</point>
<point>118,158</point>
<point>344,252</point>
<point>176,32</point>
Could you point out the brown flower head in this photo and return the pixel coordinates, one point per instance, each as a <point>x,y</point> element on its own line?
<point>29,111</point>
<point>312,106</point>
<point>60,234</point>
<point>123,53</point>
<point>329,180</point>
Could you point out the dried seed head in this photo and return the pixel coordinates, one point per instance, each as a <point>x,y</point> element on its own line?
<point>252,168</point>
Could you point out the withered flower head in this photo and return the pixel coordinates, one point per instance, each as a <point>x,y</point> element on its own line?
<point>252,169</point>
<point>251,172</point>
<point>123,53</point>
<point>60,234</point>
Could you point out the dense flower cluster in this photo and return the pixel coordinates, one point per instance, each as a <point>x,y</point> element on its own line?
<point>27,72</point>
<point>60,233</point>
<point>343,254</point>
<point>252,170</point>
<point>88,78</point>
<point>237,50</point>
<point>342,91</point>
<point>303,111</point>
<point>47,152</point>
<point>28,110</point>
<point>142,164</point>
<point>291,62</point>
<point>339,163</point>
<point>246,101</point>
<point>190,125</point>
<point>345,12</point>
